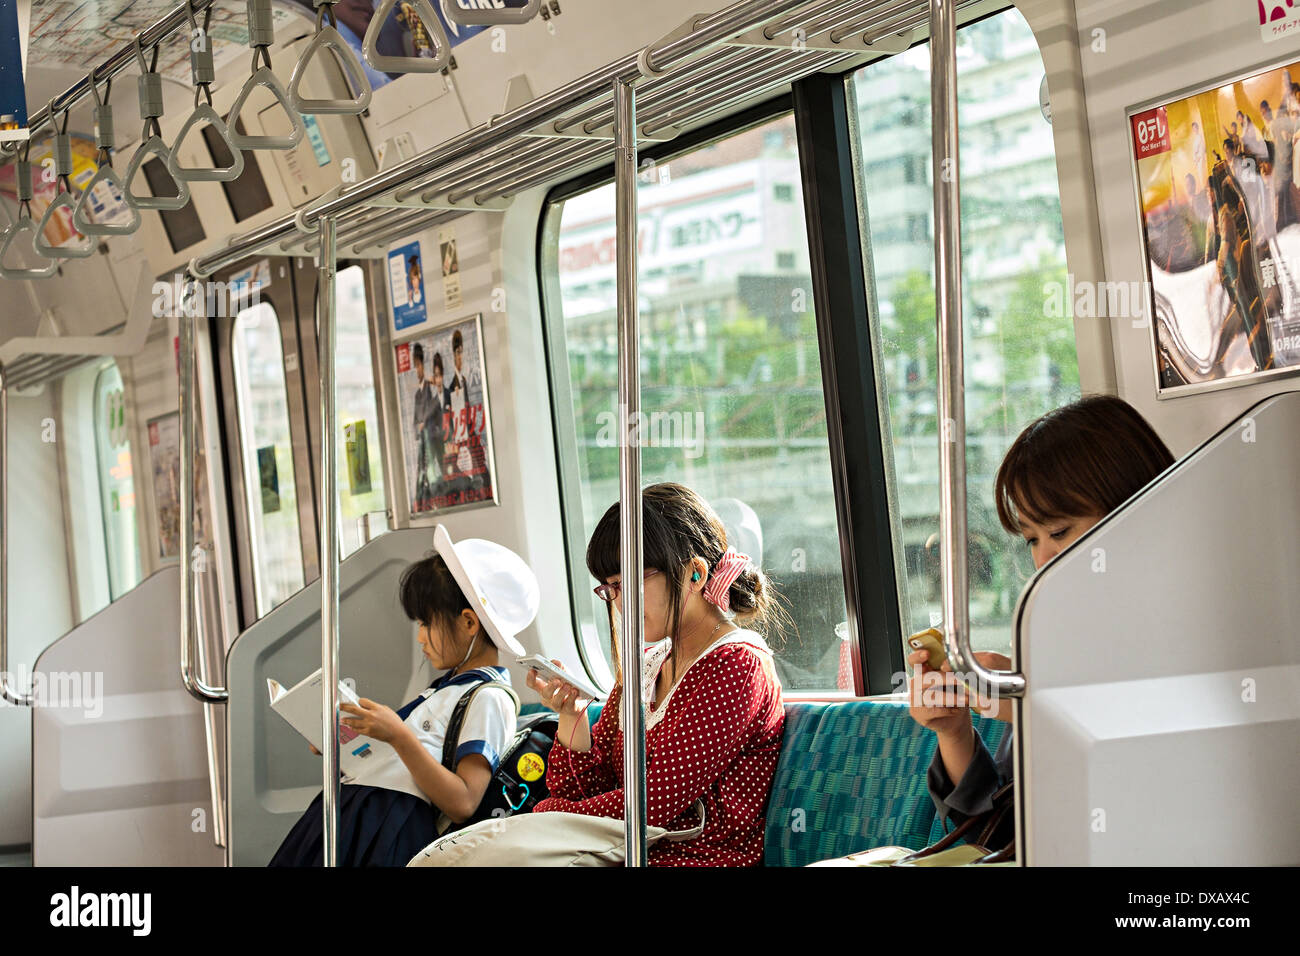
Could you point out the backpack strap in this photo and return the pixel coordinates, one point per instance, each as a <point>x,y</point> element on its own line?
<point>451,740</point>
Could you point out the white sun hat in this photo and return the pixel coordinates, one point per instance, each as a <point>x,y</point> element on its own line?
<point>499,585</point>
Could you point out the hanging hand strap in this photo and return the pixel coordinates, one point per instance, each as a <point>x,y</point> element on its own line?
<point>149,87</point>
<point>261,34</point>
<point>203,74</point>
<point>328,36</point>
<point>104,141</point>
<point>63,198</point>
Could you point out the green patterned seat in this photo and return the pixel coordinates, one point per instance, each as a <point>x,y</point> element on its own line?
<point>851,777</point>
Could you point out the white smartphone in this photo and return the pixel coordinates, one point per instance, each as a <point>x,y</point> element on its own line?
<point>551,671</point>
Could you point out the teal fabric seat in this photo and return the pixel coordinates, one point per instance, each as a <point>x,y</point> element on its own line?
<point>851,777</point>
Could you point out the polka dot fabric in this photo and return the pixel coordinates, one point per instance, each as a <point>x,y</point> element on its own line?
<point>718,742</point>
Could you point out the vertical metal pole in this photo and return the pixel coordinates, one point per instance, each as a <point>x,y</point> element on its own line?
<point>11,693</point>
<point>631,634</point>
<point>191,678</point>
<point>329,545</point>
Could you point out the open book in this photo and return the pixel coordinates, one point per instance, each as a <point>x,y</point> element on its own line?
<point>301,706</point>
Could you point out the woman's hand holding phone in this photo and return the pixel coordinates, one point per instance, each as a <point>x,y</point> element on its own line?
<point>569,703</point>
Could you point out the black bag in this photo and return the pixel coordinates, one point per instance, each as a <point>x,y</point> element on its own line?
<point>520,780</point>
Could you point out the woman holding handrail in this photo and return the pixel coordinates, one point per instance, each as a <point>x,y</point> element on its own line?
<point>1062,475</point>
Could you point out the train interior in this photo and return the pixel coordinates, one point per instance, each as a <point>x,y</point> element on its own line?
<point>786,298</point>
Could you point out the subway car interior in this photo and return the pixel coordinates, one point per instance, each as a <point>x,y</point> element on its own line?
<point>293,291</point>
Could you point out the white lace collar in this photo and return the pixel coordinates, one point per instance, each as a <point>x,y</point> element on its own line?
<point>658,654</point>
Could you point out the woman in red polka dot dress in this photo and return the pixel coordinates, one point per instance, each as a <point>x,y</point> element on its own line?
<point>714,712</point>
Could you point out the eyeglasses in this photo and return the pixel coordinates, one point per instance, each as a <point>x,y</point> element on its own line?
<point>609,593</point>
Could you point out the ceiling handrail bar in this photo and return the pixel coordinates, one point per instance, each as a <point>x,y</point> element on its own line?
<point>577,93</point>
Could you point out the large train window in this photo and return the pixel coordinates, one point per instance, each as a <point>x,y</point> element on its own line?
<point>1020,361</point>
<point>360,464</point>
<point>116,482</point>
<point>731,381</point>
<point>267,453</point>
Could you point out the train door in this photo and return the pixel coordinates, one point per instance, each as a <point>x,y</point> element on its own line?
<point>253,319</point>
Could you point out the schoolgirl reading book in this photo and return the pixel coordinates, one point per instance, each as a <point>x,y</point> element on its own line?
<point>714,714</point>
<point>470,599</point>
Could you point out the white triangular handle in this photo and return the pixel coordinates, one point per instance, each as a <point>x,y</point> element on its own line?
<point>83,251</point>
<point>407,64</point>
<point>154,145</point>
<point>265,78</point>
<point>24,224</point>
<point>329,37</point>
<point>106,174</point>
<point>203,113</point>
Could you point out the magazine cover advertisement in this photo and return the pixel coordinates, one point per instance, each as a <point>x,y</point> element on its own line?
<point>446,424</point>
<point>1219,180</point>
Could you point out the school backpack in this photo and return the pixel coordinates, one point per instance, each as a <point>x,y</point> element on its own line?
<point>520,779</point>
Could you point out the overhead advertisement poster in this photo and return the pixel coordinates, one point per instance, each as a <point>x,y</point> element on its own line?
<point>1218,175</point>
<point>446,424</point>
<point>406,286</point>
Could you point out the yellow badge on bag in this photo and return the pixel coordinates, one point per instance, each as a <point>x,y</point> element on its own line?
<point>531,767</point>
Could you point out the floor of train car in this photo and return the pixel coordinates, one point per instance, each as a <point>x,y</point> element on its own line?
<point>15,856</point>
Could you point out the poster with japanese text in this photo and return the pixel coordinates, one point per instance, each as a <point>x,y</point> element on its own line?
<point>1219,181</point>
<point>446,424</point>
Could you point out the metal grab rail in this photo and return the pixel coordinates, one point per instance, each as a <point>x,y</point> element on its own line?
<point>118,61</point>
<point>328,36</point>
<point>952,396</point>
<point>23,224</point>
<point>149,88</point>
<point>203,71</point>
<point>329,545</point>
<point>407,64</point>
<point>504,129</point>
<point>504,16</point>
<point>104,141</point>
<point>631,634</point>
<point>190,677</point>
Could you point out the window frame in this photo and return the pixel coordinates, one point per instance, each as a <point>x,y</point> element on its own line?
<point>840,309</point>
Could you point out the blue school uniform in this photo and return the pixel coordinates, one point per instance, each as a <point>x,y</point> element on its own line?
<point>384,817</point>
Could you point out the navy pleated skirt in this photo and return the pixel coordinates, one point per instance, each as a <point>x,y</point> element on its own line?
<point>377,827</point>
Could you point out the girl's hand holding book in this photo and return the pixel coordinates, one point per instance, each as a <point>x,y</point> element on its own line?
<point>373,720</point>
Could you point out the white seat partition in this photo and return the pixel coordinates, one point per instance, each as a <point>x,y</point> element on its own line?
<point>119,756</point>
<point>273,775</point>
<point>1162,659</point>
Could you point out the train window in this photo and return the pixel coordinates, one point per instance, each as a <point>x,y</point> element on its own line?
<point>360,464</point>
<point>1020,361</point>
<point>267,454</point>
<point>731,384</point>
<point>116,482</point>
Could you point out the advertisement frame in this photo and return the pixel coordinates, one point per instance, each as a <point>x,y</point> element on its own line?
<point>419,519</point>
<point>1163,392</point>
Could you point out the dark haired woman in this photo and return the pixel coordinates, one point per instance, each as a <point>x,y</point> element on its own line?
<point>714,713</point>
<point>470,599</point>
<point>1062,475</point>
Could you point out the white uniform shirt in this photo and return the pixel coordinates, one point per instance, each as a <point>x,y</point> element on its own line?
<point>488,728</point>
